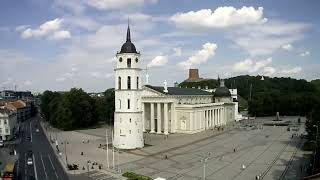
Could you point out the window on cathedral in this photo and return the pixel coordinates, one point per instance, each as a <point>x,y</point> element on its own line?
<point>119,82</point>
<point>120,59</point>
<point>129,131</point>
<point>137,82</point>
<point>137,60</point>
<point>130,120</point>
<point>128,103</point>
<point>129,82</point>
<point>129,62</point>
<point>119,100</point>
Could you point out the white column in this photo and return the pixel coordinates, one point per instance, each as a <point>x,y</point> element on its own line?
<point>159,118</point>
<point>173,119</point>
<point>152,117</point>
<point>143,117</point>
<point>165,118</point>
<point>219,116</point>
<point>210,119</point>
<point>205,119</point>
<point>216,116</point>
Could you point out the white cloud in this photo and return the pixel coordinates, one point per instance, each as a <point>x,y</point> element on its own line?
<point>22,28</point>
<point>251,66</point>
<point>269,71</point>
<point>79,6</point>
<point>265,39</point>
<point>291,71</point>
<point>100,75</point>
<point>158,61</point>
<point>50,29</point>
<point>306,53</point>
<point>117,4</point>
<point>287,47</point>
<point>177,52</point>
<point>59,35</point>
<point>222,17</point>
<point>200,57</point>
<point>27,83</point>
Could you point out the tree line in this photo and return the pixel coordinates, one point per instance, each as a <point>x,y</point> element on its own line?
<point>75,109</point>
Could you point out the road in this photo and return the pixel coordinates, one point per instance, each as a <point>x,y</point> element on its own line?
<point>45,166</point>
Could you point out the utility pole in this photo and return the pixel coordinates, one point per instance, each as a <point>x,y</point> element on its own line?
<point>65,150</point>
<point>204,165</point>
<point>112,149</point>
<point>107,141</point>
<point>315,151</point>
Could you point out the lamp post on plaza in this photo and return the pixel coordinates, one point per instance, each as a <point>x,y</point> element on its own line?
<point>88,169</point>
<point>315,151</point>
<point>204,160</point>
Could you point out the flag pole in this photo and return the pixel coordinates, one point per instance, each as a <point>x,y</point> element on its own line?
<point>107,141</point>
<point>112,150</point>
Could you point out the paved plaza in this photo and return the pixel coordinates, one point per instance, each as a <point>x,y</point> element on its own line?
<point>237,152</point>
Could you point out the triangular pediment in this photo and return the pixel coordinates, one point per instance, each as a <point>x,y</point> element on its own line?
<point>150,92</point>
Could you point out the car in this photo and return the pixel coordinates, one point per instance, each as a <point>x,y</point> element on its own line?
<point>28,138</point>
<point>29,161</point>
<point>37,130</point>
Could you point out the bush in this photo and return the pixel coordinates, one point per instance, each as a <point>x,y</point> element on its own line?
<point>134,176</point>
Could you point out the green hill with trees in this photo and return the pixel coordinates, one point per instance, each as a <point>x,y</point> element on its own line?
<point>285,95</point>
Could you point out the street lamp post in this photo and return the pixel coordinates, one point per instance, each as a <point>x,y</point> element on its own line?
<point>65,150</point>
<point>88,169</point>
<point>315,151</point>
<point>204,165</point>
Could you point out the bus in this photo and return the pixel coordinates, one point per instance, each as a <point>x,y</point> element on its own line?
<point>8,171</point>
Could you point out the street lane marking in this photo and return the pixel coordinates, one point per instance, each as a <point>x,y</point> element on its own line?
<point>34,167</point>
<point>30,131</point>
<point>53,166</point>
<point>44,168</point>
<point>25,167</point>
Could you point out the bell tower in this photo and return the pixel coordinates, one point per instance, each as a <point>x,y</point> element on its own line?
<point>128,132</point>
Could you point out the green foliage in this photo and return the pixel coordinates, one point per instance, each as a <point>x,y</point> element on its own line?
<point>134,176</point>
<point>285,95</point>
<point>76,109</point>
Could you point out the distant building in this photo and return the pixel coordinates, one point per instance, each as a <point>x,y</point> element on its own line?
<point>21,108</point>
<point>8,123</point>
<point>10,94</point>
<point>7,94</point>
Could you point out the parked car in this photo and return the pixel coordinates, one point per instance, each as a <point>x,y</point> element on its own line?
<point>29,161</point>
<point>1,143</point>
<point>37,130</point>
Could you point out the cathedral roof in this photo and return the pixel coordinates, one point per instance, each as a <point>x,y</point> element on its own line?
<point>180,91</point>
<point>222,91</point>
<point>128,46</point>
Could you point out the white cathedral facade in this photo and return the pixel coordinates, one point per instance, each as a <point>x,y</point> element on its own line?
<point>162,110</point>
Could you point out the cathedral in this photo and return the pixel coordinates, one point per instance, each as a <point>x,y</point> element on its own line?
<point>162,110</point>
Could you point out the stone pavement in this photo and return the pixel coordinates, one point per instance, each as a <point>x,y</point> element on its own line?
<point>264,152</point>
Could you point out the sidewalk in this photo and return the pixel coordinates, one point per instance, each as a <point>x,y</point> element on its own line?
<point>78,143</point>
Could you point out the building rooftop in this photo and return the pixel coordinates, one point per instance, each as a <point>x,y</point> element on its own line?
<point>180,91</point>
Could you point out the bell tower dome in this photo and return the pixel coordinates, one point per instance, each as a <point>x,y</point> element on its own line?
<point>128,133</point>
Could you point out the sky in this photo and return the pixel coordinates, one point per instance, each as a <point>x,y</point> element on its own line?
<point>59,44</point>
